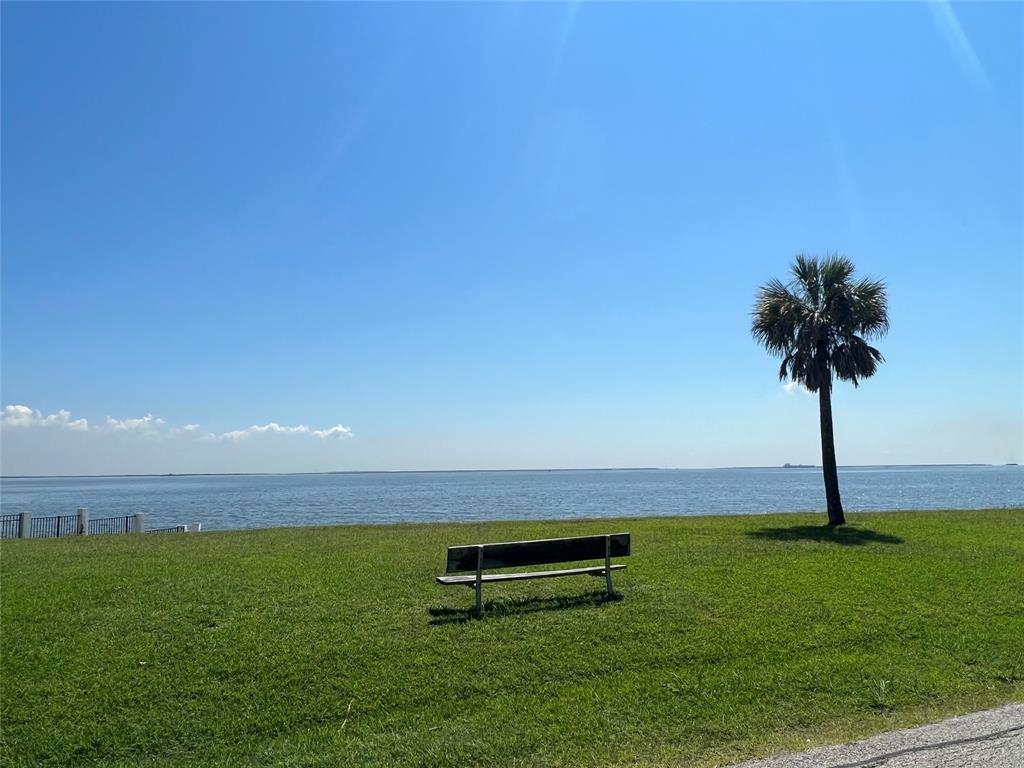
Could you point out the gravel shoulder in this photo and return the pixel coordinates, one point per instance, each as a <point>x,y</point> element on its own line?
<point>990,739</point>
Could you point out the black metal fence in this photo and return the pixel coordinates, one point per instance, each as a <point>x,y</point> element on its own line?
<point>10,526</point>
<point>172,529</point>
<point>51,527</point>
<point>121,524</point>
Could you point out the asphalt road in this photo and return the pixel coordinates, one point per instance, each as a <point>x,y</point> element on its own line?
<point>990,739</point>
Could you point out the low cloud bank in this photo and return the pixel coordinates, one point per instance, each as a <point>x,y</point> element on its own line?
<point>24,417</point>
<point>338,430</point>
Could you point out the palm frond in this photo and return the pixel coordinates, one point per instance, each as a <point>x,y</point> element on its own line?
<point>869,303</point>
<point>855,359</point>
<point>835,271</point>
<point>836,307</point>
<point>777,315</point>
<point>804,367</point>
<point>807,278</point>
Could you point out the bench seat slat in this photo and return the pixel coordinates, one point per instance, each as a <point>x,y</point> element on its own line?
<point>518,554</point>
<point>470,580</point>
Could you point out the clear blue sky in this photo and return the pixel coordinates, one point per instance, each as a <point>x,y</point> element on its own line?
<point>483,235</point>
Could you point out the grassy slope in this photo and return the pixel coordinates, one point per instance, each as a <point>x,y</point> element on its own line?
<point>333,646</point>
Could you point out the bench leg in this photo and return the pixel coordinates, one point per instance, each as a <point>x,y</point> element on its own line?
<point>480,580</point>
<point>608,565</point>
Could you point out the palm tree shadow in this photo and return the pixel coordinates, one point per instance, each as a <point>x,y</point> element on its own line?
<point>845,535</point>
<point>520,606</point>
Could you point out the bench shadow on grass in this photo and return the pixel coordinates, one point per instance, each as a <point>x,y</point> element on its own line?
<point>520,606</point>
<point>844,535</point>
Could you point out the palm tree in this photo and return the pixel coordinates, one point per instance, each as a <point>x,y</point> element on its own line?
<point>817,323</point>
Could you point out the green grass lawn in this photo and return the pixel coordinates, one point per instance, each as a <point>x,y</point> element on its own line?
<point>733,637</point>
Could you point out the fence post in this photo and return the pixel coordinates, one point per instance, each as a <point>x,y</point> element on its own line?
<point>137,523</point>
<point>25,526</point>
<point>83,521</point>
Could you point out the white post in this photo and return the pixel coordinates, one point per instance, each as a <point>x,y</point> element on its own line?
<point>83,521</point>
<point>25,526</point>
<point>137,523</point>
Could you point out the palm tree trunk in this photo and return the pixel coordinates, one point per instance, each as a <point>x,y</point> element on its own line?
<point>828,454</point>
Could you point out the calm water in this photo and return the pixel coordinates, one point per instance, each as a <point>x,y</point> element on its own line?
<point>257,501</point>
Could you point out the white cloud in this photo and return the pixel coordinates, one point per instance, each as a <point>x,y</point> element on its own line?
<point>793,387</point>
<point>143,424</point>
<point>63,418</point>
<point>23,416</point>
<point>337,430</point>
<point>20,416</point>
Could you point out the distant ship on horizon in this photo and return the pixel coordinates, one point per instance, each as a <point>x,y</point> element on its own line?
<point>787,465</point>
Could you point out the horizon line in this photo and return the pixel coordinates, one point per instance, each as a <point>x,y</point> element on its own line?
<point>522,469</point>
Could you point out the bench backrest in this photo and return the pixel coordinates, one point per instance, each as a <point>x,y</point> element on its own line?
<point>513,554</point>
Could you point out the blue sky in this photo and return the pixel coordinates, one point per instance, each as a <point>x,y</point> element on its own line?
<point>498,235</point>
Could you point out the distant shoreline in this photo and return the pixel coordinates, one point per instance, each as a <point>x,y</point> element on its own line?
<point>478,471</point>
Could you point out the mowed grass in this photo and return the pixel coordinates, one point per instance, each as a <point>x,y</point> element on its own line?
<point>733,637</point>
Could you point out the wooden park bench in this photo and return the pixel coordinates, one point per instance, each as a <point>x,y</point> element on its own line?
<point>515,554</point>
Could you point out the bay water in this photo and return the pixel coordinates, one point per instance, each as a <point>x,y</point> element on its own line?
<point>259,501</point>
